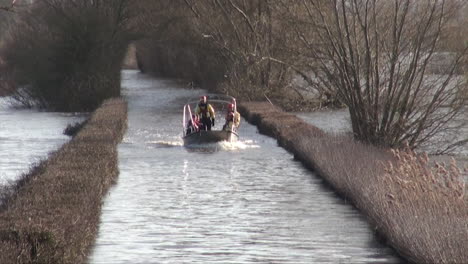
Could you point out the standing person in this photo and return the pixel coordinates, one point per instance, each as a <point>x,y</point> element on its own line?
<point>232,119</point>
<point>206,114</point>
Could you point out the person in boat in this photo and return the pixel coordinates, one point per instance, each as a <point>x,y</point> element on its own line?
<point>232,119</point>
<point>205,113</point>
<point>193,125</point>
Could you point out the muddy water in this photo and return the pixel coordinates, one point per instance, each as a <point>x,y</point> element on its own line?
<point>27,136</point>
<point>247,202</point>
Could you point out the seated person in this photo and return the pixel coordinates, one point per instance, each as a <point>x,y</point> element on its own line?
<point>232,119</point>
<point>193,126</point>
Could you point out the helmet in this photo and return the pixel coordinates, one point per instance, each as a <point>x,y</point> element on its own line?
<point>230,107</point>
<point>203,99</point>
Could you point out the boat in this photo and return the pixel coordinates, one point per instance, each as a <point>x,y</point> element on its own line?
<point>220,104</point>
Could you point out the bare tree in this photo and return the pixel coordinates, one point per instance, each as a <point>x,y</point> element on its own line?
<point>374,56</point>
<point>8,6</point>
<point>244,33</point>
<point>167,43</point>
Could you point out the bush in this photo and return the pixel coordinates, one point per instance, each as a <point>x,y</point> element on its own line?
<point>68,54</point>
<point>73,129</point>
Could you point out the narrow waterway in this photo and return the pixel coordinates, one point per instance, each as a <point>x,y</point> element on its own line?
<point>247,202</point>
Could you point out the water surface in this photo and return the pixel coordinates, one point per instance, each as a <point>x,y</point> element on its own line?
<point>27,136</point>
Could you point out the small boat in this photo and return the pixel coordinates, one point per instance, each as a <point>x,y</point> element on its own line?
<point>220,104</point>
<point>213,136</point>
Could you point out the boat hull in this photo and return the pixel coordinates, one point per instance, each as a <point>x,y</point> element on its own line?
<point>213,136</point>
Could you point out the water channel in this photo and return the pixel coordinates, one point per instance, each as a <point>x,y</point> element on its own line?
<point>246,202</point>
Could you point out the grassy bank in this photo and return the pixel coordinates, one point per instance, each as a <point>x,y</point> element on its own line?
<point>51,215</point>
<point>421,212</point>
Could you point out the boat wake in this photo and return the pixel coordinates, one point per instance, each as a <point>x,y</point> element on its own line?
<point>204,148</point>
<point>165,144</point>
<point>238,145</point>
<point>221,146</point>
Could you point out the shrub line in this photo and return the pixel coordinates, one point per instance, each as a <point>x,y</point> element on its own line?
<point>424,224</point>
<point>51,214</point>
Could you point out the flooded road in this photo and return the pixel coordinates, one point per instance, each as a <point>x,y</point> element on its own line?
<point>245,202</point>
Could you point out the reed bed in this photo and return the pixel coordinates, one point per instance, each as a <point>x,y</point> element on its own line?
<point>418,209</point>
<point>51,214</point>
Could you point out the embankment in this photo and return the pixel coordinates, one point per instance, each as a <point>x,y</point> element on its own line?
<point>52,214</point>
<point>422,222</point>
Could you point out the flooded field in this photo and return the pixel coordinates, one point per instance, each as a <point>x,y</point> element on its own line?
<point>338,121</point>
<point>27,136</point>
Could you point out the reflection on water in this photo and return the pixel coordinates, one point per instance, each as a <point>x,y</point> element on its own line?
<point>247,202</point>
<point>26,136</point>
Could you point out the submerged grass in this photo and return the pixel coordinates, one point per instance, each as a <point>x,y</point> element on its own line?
<point>51,214</point>
<point>421,212</point>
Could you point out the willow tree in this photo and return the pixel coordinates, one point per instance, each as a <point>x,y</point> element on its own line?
<point>376,56</point>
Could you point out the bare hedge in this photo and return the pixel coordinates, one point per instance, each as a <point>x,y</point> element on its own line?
<point>52,213</point>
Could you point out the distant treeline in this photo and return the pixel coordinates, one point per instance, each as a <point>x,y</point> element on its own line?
<point>258,49</point>
<point>235,47</point>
